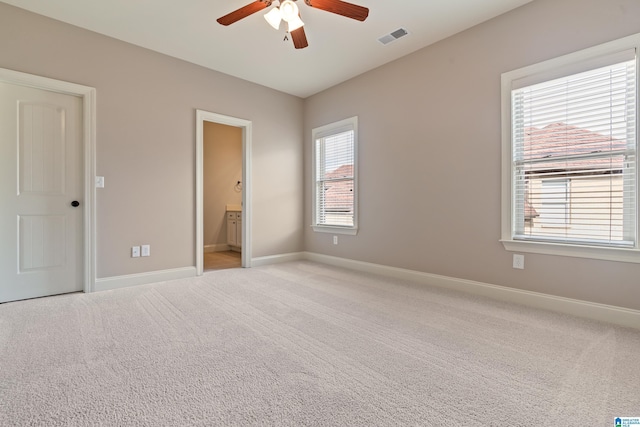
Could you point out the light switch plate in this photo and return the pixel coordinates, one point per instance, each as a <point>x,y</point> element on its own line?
<point>146,250</point>
<point>99,181</point>
<point>135,251</point>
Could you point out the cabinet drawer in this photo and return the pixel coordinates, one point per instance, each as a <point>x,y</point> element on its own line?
<point>232,215</point>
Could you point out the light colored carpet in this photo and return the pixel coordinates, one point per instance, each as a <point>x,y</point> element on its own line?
<point>307,344</point>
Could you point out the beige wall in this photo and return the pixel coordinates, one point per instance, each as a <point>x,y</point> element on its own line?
<point>146,105</point>
<point>429,151</point>
<point>222,164</point>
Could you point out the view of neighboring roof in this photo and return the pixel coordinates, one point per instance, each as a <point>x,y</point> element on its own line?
<point>563,142</point>
<point>338,195</point>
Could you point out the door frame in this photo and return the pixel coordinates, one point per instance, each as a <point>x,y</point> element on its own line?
<point>88,96</point>
<point>246,126</point>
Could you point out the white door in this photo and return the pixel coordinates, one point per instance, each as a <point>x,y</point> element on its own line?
<point>40,179</point>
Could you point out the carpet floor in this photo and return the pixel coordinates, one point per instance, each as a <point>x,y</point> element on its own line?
<point>305,344</point>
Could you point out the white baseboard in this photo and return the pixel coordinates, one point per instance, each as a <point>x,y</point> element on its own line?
<point>275,259</point>
<point>118,282</point>
<point>218,247</point>
<point>595,311</point>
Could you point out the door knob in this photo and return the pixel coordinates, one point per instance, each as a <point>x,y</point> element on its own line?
<point>75,203</point>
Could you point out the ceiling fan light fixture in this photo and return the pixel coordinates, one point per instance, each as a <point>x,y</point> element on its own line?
<point>289,10</point>
<point>295,23</point>
<point>274,17</point>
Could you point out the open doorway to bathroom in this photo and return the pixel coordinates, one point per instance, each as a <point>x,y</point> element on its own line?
<point>223,191</point>
<point>222,196</point>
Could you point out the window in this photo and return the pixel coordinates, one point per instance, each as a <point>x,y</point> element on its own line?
<point>334,161</point>
<point>569,154</point>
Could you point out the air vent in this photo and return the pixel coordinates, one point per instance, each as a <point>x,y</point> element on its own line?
<point>393,36</point>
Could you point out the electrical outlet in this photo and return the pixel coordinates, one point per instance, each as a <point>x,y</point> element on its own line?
<point>135,251</point>
<point>146,250</point>
<point>335,240</point>
<point>518,261</point>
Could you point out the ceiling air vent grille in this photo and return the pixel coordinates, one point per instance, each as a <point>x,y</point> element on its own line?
<point>393,36</point>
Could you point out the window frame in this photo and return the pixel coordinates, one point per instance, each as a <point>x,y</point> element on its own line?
<point>349,124</point>
<point>572,63</point>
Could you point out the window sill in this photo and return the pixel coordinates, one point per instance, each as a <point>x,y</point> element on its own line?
<point>335,230</point>
<point>577,251</point>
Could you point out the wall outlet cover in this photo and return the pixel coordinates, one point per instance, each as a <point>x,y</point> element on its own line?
<point>518,261</point>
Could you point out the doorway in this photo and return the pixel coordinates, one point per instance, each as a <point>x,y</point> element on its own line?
<point>233,193</point>
<point>222,198</point>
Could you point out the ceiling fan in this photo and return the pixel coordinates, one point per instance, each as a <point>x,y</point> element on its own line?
<point>288,11</point>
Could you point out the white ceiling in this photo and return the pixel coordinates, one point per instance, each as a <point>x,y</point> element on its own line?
<point>339,47</point>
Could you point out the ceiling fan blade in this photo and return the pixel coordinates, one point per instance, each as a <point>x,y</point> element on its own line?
<point>299,38</point>
<point>243,12</point>
<point>340,7</point>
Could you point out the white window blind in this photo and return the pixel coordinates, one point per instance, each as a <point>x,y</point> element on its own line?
<point>555,203</point>
<point>335,178</point>
<point>574,157</point>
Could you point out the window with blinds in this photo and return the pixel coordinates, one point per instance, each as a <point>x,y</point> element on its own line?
<point>335,176</point>
<point>571,142</point>
<point>574,157</point>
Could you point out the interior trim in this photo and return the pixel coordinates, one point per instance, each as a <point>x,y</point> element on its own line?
<point>118,282</point>
<point>247,135</point>
<point>276,259</point>
<point>219,247</point>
